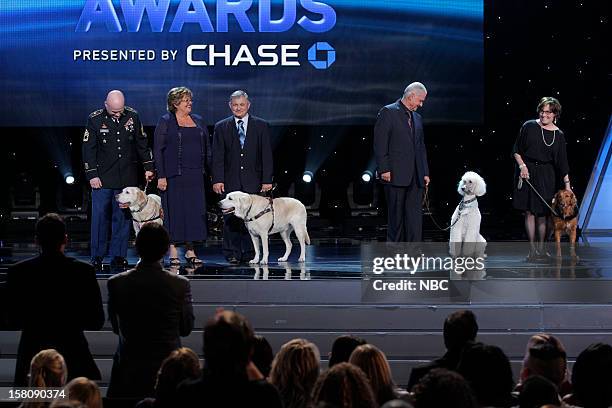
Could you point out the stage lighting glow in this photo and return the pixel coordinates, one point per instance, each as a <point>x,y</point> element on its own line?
<point>307,177</point>
<point>69,179</point>
<point>366,176</point>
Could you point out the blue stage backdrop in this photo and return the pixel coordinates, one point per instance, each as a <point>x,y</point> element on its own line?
<point>304,62</point>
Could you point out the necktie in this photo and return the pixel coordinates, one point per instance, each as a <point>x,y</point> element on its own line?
<point>410,122</point>
<point>241,132</point>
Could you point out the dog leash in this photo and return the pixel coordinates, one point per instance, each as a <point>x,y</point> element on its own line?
<point>269,208</point>
<point>462,204</point>
<point>520,185</point>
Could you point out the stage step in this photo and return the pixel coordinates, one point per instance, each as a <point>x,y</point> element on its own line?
<point>409,333</point>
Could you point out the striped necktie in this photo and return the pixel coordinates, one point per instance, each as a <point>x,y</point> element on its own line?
<point>241,132</point>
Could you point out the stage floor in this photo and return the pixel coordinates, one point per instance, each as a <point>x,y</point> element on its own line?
<point>342,259</point>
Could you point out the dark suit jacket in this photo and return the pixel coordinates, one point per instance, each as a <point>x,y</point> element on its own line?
<point>112,151</point>
<point>167,148</point>
<point>52,299</point>
<point>242,169</point>
<point>396,149</point>
<point>149,308</point>
<point>450,360</point>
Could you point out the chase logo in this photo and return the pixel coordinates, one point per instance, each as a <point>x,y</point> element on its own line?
<point>324,50</point>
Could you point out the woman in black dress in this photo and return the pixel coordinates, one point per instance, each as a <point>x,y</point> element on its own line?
<point>182,154</point>
<point>541,156</point>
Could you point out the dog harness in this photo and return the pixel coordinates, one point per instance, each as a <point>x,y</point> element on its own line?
<point>156,217</point>
<point>269,208</point>
<point>571,217</point>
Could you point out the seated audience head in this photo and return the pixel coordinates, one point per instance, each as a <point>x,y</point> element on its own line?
<point>294,372</point>
<point>262,355</point>
<point>228,344</point>
<point>152,242</point>
<point>537,391</point>
<point>443,388</point>
<point>592,376</point>
<point>66,403</point>
<point>375,366</point>
<point>181,364</point>
<point>344,386</point>
<point>48,369</point>
<point>51,233</point>
<point>397,403</point>
<point>460,328</point>
<point>545,356</point>
<point>85,391</point>
<point>342,348</point>
<point>487,369</point>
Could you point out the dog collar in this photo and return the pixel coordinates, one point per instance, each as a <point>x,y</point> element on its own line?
<point>144,205</point>
<point>468,201</point>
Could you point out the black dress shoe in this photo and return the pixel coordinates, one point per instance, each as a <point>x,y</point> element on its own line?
<point>97,263</point>
<point>119,262</point>
<point>233,260</point>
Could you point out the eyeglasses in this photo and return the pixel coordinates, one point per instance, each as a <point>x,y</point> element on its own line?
<point>547,112</point>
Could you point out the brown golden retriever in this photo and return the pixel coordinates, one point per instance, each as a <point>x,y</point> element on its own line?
<point>565,205</point>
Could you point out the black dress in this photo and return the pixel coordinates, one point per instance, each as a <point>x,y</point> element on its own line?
<point>545,154</point>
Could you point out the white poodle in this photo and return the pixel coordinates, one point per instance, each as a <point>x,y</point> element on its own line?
<point>465,238</point>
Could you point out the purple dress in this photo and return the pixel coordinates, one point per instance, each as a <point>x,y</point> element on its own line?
<point>184,201</point>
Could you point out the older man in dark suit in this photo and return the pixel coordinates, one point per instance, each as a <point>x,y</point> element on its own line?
<point>401,158</point>
<point>150,309</point>
<point>242,161</point>
<point>52,298</point>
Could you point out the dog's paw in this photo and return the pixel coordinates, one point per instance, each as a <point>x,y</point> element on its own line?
<point>254,261</point>
<point>282,259</point>
<point>263,262</point>
<point>301,259</point>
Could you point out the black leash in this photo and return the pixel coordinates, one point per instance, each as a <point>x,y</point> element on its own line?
<point>462,204</point>
<point>576,208</point>
<point>520,185</point>
<point>269,208</point>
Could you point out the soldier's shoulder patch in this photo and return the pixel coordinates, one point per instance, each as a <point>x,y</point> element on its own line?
<point>96,113</point>
<point>130,109</point>
<point>86,136</point>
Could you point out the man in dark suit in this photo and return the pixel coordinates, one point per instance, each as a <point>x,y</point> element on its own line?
<point>401,158</point>
<point>460,330</point>
<point>52,298</point>
<point>149,308</point>
<point>242,161</point>
<point>113,144</point>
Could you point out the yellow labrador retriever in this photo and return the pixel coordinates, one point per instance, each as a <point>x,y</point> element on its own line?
<point>263,216</point>
<point>144,207</point>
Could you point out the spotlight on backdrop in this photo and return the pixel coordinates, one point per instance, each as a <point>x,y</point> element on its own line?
<point>307,177</point>
<point>69,179</point>
<point>366,176</point>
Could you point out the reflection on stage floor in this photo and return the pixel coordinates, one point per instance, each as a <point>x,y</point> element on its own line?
<point>342,259</point>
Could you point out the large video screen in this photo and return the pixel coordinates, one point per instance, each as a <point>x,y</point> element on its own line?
<point>303,62</point>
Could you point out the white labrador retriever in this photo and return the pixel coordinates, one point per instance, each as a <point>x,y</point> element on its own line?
<point>288,215</point>
<point>465,238</point>
<point>144,207</point>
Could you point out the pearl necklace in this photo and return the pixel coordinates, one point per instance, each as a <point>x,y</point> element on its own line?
<point>544,140</point>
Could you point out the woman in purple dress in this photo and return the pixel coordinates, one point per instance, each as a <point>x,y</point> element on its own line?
<point>182,155</point>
